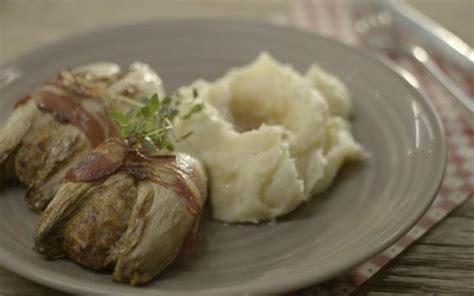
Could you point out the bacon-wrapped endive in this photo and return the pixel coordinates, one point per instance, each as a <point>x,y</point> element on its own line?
<point>124,210</point>
<point>130,204</point>
<point>60,121</point>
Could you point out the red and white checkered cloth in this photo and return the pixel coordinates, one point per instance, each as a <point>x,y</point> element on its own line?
<point>333,18</point>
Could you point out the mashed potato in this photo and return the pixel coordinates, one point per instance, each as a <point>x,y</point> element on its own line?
<point>270,138</point>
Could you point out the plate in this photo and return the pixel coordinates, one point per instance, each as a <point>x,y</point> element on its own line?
<point>370,205</point>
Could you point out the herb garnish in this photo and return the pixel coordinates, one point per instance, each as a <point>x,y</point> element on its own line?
<point>149,125</point>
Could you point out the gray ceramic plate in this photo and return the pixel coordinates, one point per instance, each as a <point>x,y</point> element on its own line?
<point>370,205</point>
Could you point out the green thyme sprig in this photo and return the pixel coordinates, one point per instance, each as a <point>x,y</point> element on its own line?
<point>149,124</point>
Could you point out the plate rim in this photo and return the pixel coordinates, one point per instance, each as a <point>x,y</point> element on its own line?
<point>9,260</point>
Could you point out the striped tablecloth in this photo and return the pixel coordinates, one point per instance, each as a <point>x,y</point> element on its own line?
<point>333,18</point>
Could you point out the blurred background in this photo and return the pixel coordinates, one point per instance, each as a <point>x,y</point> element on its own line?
<point>25,24</point>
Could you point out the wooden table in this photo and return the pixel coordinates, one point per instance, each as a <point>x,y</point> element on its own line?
<point>440,262</point>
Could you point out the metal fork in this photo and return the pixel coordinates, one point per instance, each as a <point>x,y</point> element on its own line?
<point>378,30</point>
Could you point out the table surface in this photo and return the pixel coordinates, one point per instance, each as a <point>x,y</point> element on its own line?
<point>441,262</point>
